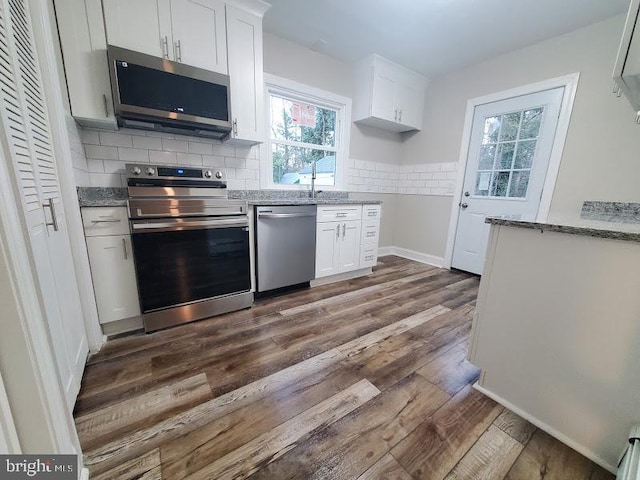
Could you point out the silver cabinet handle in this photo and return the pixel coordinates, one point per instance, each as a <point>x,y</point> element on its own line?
<point>638,118</point>
<point>164,43</point>
<point>372,214</point>
<point>368,258</point>
<point>54,221</point>
<point>338,231</point>
<point>395,115</point>
<point>400,116</point>
<point>108,220</point>
<point>106,105</point>
<point>371,234</point>
<point>344,229</point>
<point>177,50</point>
<point>124,247</point>
<point>235,127</point>
<point>341,215</point>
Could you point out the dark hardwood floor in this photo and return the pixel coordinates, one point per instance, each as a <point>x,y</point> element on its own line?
<point>362,379</point>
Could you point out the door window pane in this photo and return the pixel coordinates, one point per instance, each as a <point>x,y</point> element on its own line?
<point>519,184</point>
<point>504,159</point>
<point>491,130</point>
<point>524,155</point>
<point>531,123</point>
<point>487,155</point>
<point>510,125</point>
<point>500,184</point>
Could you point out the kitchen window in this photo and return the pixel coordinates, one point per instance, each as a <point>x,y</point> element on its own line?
<point>305,125</point>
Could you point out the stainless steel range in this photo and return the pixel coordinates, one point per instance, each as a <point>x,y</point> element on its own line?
<point>190,244</point>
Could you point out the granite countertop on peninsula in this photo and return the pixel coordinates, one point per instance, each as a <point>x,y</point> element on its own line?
<point>117,197</point>
<point>611,220</point>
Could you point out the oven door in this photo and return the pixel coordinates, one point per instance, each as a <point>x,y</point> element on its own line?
<point>180,261</point>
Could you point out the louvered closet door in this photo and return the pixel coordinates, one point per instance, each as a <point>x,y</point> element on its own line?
<point>27,147</point>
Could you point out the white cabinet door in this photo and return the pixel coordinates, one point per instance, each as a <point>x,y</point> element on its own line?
<point>114,277</point>
<point>244,49</point>
<point>199,33</point>
<point>328,237</point>
<point>409,103</point>
<point>349,249</point>
<point>82,37</point>
<point>383,100</point>
<point>136,25</point>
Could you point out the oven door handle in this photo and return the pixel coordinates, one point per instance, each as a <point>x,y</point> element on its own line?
<point>178,225</point>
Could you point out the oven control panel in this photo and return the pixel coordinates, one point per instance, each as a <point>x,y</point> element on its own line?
<point>170,172</point>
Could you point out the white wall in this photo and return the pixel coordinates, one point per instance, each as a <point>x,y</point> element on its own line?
<point>600,157</point>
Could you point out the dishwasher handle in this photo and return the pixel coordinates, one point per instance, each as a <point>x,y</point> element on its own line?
<point>285,215</point>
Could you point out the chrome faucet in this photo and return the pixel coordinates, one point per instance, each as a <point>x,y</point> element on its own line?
<point>312,193</point>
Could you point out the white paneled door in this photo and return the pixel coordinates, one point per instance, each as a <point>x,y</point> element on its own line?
<point>27,146</point>
<point>509,151</point>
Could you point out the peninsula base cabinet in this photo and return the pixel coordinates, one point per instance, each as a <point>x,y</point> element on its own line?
<point>111,260</point>
<point>341,246</point>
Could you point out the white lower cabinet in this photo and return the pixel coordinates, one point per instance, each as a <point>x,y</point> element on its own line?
<point>111,259</point>
<point>114,277</point>
<point>346,245</point>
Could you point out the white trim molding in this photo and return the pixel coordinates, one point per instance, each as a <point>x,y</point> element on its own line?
<point>9,443</point>
<point>546,428</point>
<point>570,85</point>
<point>306,93</point>
<point>412,255</point>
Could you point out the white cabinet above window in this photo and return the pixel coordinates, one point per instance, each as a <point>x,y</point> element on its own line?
<point>388,96</point>
<point>186,31</point>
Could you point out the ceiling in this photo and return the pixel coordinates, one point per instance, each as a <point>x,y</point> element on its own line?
<point>431,37</point>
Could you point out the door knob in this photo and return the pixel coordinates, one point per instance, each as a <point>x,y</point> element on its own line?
<point>466,194</point>
<point>464,205</point>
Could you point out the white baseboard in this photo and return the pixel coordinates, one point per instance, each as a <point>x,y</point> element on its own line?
<point>548,429</point>
<point>412,255</point>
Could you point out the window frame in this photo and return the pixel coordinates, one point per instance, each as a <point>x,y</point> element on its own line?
<point>298,91</point>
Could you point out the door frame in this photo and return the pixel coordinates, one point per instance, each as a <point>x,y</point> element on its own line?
<point>570,84</point>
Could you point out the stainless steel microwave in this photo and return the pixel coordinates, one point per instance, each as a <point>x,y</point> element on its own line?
<point>154,93</point>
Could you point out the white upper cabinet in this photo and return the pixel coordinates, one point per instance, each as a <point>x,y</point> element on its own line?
<point>388,96</point>
<point>199,34</point>
<point>244,48</point>
<point>83,42</point>
<point>136,25</point>
<point>186,31</point>
<point>627,69</point>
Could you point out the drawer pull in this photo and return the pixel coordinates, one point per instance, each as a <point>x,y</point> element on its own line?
<point>371,234</point>
<point>368,258</point>
<point>372,214</point>
<point>341,215</point>
<point>107,220</point>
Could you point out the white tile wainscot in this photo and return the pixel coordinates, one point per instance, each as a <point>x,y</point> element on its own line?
<point>414,179</point>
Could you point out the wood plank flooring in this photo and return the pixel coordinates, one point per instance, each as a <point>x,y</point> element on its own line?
<point>361,379</point>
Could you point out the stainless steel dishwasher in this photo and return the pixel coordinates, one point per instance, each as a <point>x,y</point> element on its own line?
<point>285,246</point>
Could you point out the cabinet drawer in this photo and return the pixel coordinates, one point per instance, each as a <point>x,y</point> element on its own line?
<point>370,212</point>
<point>332,213</point>
<point>99,221</point>
<point>370,232</point>
<point>368,256</point>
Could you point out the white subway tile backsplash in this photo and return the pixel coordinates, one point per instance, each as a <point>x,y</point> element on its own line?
<point>133,155</point>
<point>189,159</point>
<point>213,161</point>
<point>98,152</point>
<point>169,158</point>
<point>147,143</point>
<point>171,145</point>
<point>95,166</point>
<point>105,180</point>
<point>112,166</point>
<point>90,137</point>
<point>115,139</point>
<point>224,151</point>
<point>201,148</point>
